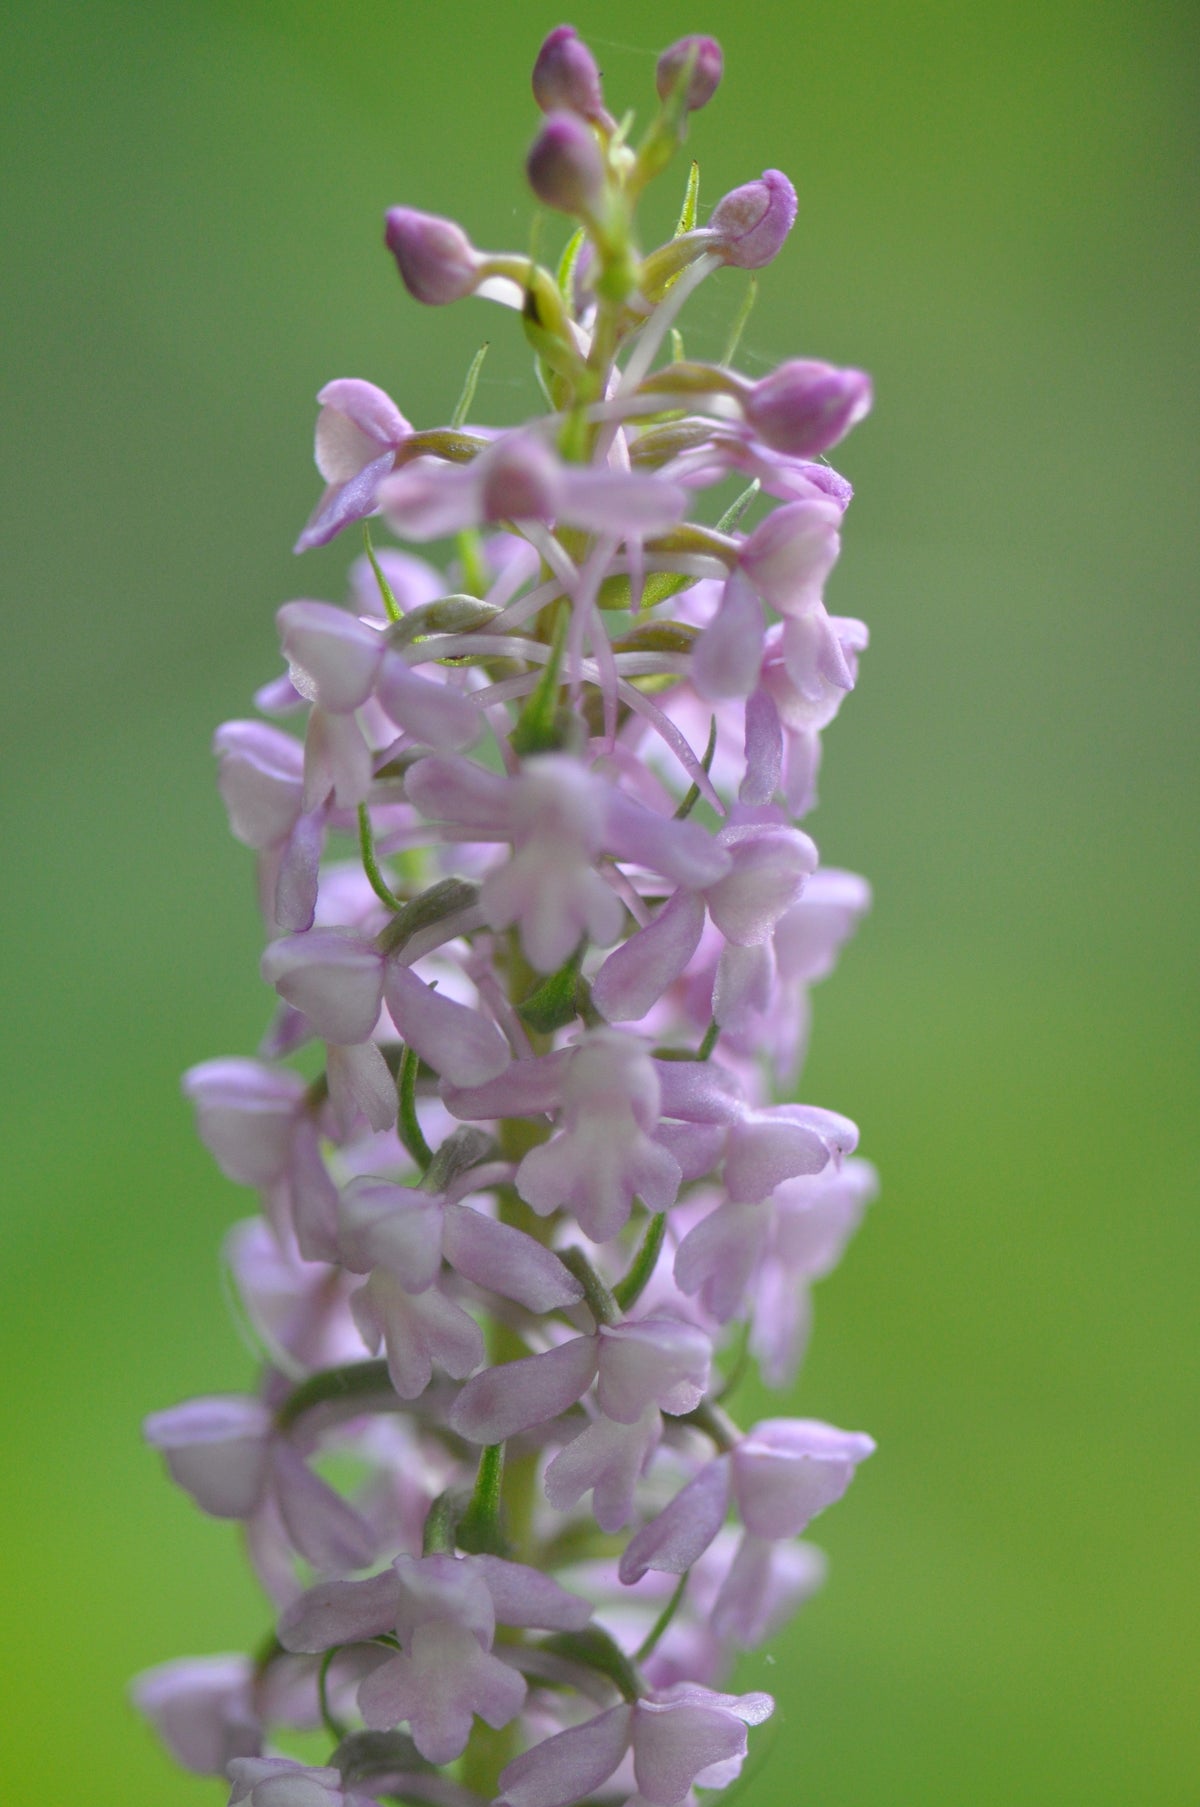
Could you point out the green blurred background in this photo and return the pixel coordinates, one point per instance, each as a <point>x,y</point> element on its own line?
<point>998,218</point>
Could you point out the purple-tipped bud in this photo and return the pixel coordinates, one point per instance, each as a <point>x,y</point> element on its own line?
<point>565,76</point>
<point>565,166</point>
<point>436,259</point>
<point>752,222</point>
<point>707,64</point>
<point>804,407</point>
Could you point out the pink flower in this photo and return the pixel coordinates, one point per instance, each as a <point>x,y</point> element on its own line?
<point>603,1156</point>
<point>443,1611</point>
<point>681,1737</point>
<point>359,431</point>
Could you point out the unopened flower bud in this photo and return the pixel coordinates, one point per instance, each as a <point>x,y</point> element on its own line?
<point>701,58</point>
<point>565,166</point>
<point>565,76</point>
<point>804,407</point>
<point>750,223</point>
<point>436,259</point>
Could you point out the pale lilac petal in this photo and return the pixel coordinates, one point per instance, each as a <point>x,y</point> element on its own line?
<point>782,1324</point>
<point>341,1612</point>
<point>201,1709</point>
<point>763,1150</point>
<point>524,1596</point>
<point>437,1687</point>
<point>342,503</point>
<point>429,499</point>
<point>674,1741</point>
<point>767,1582</point>
<point>570,1766</point>
<point>443,1587</point>
<point>743,988</point>
<point>597,1169</point>
<point>517,1395</point>
<point>463,1046</point>
<point>816,1218</point>
<point>550,886</point>
<point>296,882</point>
<point>694,1147</point>
<point>392,1227</point>
<point>682,1531</point>
<point>657,1361</point>
<point>808,936</point>
<point>526,1088</point>
<point>450,789</point>
<point>356,419</point>
<point>507,1261</point>
<point>327,1532</point>
<point>800,776</point>
<point>519,478</point>
<point>431,712</point>
<point>635,975</point>
<point>718,1256</point>
<point>764,750</point>
<point>295,1305</point>
<point>786,1470</point>
<point>336,759</point>
<point>360,1080</point>
<point>838,1133</point>
<point>729,652</point>
<point>683,852</point>
<point>282,1782</point>
<point>602,1159</point>
<point>699,1091</point>
<point>789,555</point>
<point>814,657</point>
<point>333,976</point>
<point>770,863</point>
<point>260,777</point>
<point>332,656</point>
<point>246,1114</point>
<point>556,899</point>
<point>419,1330</point>
<point>216,1449</point>
<point>606,1459</point>
<point>614,502</point>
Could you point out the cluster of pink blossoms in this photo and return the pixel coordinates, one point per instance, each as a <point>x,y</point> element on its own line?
<point>535,894</point>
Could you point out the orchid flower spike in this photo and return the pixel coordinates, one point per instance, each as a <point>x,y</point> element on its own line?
<point>540,928</point>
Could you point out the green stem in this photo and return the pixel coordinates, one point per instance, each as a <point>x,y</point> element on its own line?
<point>693,796</point>
<point>391,607</point>
<point>600,1302</point>
<point>715,1423</point>
<point>337,1731</point>
<point>650,1641</point>
<point>356,1381</point>
<point>407,1127</point>
<point>375,878</point>
<point>629,1290</point>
